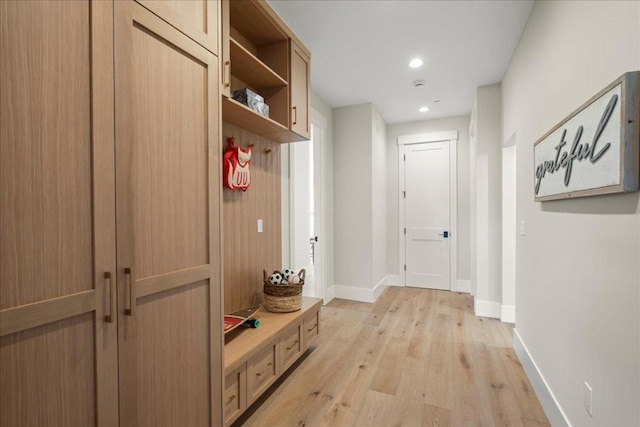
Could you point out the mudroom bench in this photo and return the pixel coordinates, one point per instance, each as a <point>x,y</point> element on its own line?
<point>255,358</point>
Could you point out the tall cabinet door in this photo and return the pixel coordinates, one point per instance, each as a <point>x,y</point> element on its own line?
<point>168,225</point>
<point>58,355</point>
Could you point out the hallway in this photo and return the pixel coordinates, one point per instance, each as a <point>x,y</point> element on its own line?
<point>414,358</point>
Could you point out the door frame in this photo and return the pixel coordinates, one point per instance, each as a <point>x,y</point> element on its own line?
<point>452,138</point>
<point>320,199</point>
<point>320,195</point>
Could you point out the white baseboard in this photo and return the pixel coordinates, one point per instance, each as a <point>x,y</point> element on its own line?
<point>361,294</point>
<point>549,403</point>
<point>487,308</point>
<point>329,294</point>
<point>461,286</point>
<point>379,288</point>
<point>393,280</point>
<point>353,293</point>
<point>508,314</point>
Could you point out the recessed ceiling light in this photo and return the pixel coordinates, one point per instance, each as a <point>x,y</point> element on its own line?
<point>423,109</point>
<point>415,63</point>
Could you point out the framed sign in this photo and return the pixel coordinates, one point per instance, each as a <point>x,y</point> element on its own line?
<point>596,149</point>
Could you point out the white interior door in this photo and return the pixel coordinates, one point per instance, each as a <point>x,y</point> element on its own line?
<point>306,208</point>
<point>427,215</point>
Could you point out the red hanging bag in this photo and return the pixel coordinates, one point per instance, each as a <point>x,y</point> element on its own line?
<point>236,173</point>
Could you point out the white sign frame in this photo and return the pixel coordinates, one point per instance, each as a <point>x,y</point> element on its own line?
<point>596,149</point>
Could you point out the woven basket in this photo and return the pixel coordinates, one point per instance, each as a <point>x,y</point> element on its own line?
<point>283,298</point>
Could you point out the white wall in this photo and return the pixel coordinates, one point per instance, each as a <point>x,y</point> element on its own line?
<point>509,231</point>
<point>352,189</point>
<point>379,198</point>
<point>487,185</point>
<point>461,124</point>
<point>578,267</point>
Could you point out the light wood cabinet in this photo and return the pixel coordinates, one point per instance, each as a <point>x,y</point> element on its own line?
<point>299,86</point>
<point>168,204</point>
<point>265,353</point>
<point>311,328</point>
<point>198,19</point>
<point>235,394</point>
<point>262,371</point>
<point>110,284</point>
<point>58,356</point>
<point>291,346</point>
<point>261,53</point>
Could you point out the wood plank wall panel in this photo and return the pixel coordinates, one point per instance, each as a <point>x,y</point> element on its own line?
<point>45,155</point>
<point>173,358</point>
<point>245,251</point>
<point>170,206</point>
<point>47,375</point>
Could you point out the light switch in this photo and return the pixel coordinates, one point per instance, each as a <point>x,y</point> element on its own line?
<point>259,226</point>
<point>522,228</point>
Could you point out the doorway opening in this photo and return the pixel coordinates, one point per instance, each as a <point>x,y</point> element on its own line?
<point>304,199</point>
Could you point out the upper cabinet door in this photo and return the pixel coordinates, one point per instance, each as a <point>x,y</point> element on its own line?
<point>58,354</point>
<point>299,86</point>
<point>168,224</point>
<point>198,19</point>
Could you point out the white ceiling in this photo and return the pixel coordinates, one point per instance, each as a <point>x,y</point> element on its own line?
<point>360,51</point>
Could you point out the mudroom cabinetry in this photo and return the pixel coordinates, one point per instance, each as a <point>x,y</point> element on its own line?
<point>110,285</point>
<point>256,358</point>
<point>261,53</point>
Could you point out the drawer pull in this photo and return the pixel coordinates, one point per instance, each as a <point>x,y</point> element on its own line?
<point>293,345</point>
<point>265,370</point>
<point>312,328</point>
<point>231,398</point>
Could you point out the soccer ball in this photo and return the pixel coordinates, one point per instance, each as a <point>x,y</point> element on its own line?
<point>275,278</point>
<point>287,273</point>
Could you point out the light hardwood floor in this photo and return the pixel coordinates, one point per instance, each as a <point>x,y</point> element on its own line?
<point>414,358</point>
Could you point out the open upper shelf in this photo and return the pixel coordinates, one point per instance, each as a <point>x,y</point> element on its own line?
<point>252,71</point>
<point>257,26</point>
<point>240,115</point>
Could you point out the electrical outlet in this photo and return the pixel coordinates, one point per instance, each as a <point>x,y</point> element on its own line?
<point>522,228</point>
<point>588,398</point>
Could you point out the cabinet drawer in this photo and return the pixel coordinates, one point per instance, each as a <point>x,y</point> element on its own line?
<point>235,394</point>
<point>291,346</point>
<point>311,328</point>
<point>262,371</point>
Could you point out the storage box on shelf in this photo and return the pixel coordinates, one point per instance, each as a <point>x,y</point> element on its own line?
<point>255,358</point>
<point>261,53</point>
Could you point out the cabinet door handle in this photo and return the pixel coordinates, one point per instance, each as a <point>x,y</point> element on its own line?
<point>131,283</point>
<point>112,297</point>
<point>292,345</point>
<point>295,115</point>
<point>312,328</point>
<point>227,73</point>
